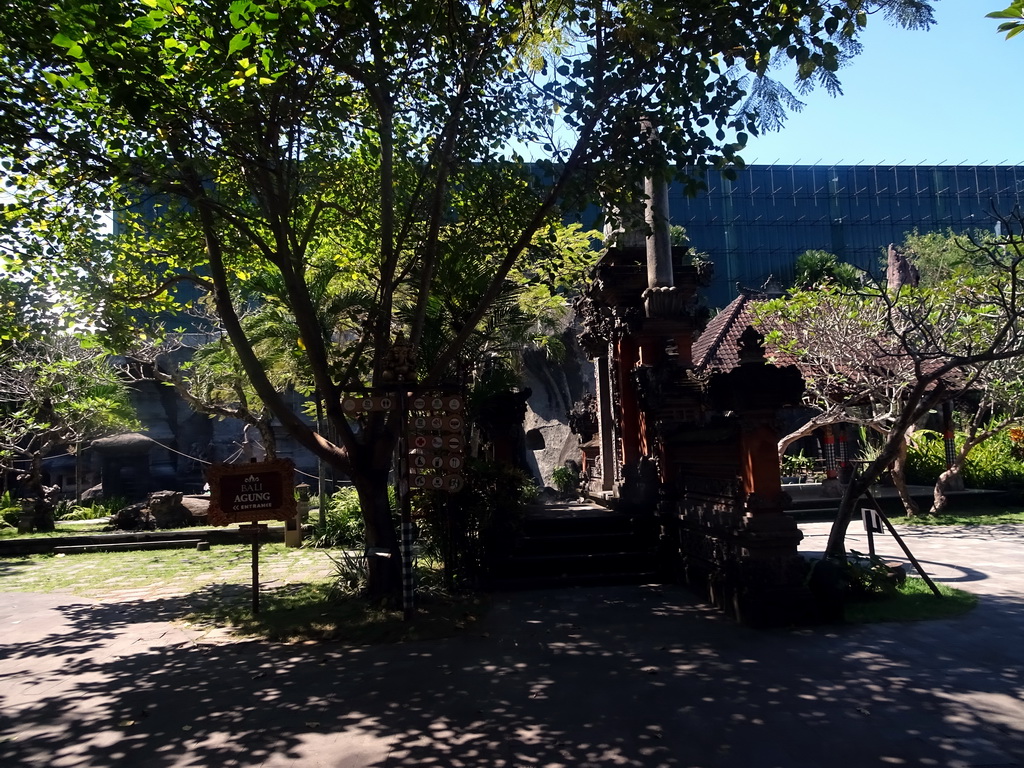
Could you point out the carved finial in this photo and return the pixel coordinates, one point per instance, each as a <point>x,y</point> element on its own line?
<point>900,271</point>
<point>772,288</point>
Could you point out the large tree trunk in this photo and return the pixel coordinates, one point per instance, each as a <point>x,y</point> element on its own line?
<point>919,401</point>
<point>384,557</point>
<point>369,466</point>
<point>950,480</point>
<point>899,477</point>
<point>42,510</point>
<point>859,485</point>
<point>836,547</point>
<point>953,479</point>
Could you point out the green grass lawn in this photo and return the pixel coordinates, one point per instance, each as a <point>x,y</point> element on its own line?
<point>61,529</point>
<point>915,602</point>
<point>213,590</point>
<point>318,612</point>
<point>67,528</point>
<point>977,516</point>
<point>169,571</point>
<point>300,599</point>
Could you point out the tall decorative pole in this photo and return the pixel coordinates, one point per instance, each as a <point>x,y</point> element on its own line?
<point>948,435</point>
<point>831,486</point>
<point>399,372</point>
<point>405,505</point>
<point>659,242</point>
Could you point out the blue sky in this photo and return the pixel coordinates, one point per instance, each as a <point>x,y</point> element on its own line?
<point>948,95</point>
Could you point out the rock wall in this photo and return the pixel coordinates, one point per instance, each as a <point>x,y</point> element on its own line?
<point>183,440</point>
<point>556,385</point>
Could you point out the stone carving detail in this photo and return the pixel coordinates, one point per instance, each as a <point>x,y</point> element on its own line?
<point>899,270</point>
<point>629,320</point>
<point>583,418</point>
<point>705,271</point>
<point>616,406</point>
<point>401,360</point>
<point>163,509</point>
<point>667,302</point>
<point>598,326</point>
<point>648,387</point>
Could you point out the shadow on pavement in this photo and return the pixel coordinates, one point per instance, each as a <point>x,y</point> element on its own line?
<point>611,676</point>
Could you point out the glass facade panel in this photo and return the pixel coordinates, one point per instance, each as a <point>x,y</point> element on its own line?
<point>755,227</point>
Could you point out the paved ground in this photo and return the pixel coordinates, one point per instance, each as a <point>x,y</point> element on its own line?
<point>623,676</point>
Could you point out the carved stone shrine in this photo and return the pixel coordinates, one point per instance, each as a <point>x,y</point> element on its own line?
<point>683,427</point>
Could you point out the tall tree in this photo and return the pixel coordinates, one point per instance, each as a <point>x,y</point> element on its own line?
<point>397,129</point>
<point>937,255</point>
<point>911,348</point>
<point>997,398</point>
<point>854,372</point>
<point>55,394</point>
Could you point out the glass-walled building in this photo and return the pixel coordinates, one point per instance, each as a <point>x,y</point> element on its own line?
<point>755,227</point>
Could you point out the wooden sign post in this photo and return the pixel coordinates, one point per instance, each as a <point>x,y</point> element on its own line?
<point>252,493</point>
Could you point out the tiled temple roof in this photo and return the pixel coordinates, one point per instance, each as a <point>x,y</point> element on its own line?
<point>718,347</point>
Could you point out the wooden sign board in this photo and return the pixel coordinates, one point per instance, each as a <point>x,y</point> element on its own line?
<point>450,483</point>
<point>251,493</point>
<point>872,520</point>
<point>353,405</point>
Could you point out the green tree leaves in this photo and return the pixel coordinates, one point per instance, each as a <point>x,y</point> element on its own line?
<point>1014,12</point>
<point>820,267</point>
<point>257,142</point>
<point>54,393</point>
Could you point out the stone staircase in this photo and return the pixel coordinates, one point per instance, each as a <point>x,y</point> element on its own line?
<point>572,544</point>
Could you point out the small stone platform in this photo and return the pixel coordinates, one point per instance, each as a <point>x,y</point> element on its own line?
<point>181,537</point>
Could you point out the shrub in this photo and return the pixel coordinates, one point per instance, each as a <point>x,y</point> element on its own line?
<point>816,267</point>
<point>467,530</point>
<point>799,464</point>
<point>10,511</point>
<point>857,577</point>
<point>462,531</point>
<point>93,511</point>
<point>870,576</point>
<point>351,574</point>
<point>926,457</point>
<point>343,518</point>
<point>994,464</point>
<point>566,480</point>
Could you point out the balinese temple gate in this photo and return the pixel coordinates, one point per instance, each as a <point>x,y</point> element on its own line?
<point>686,426</point>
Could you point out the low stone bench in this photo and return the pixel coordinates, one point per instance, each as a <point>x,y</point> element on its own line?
<point>111,546</point>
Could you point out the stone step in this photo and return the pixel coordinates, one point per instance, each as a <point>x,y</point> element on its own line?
<point>115,546</point>
<point>573,544</point>
<point>528,582</point>
<point>573,563</point>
